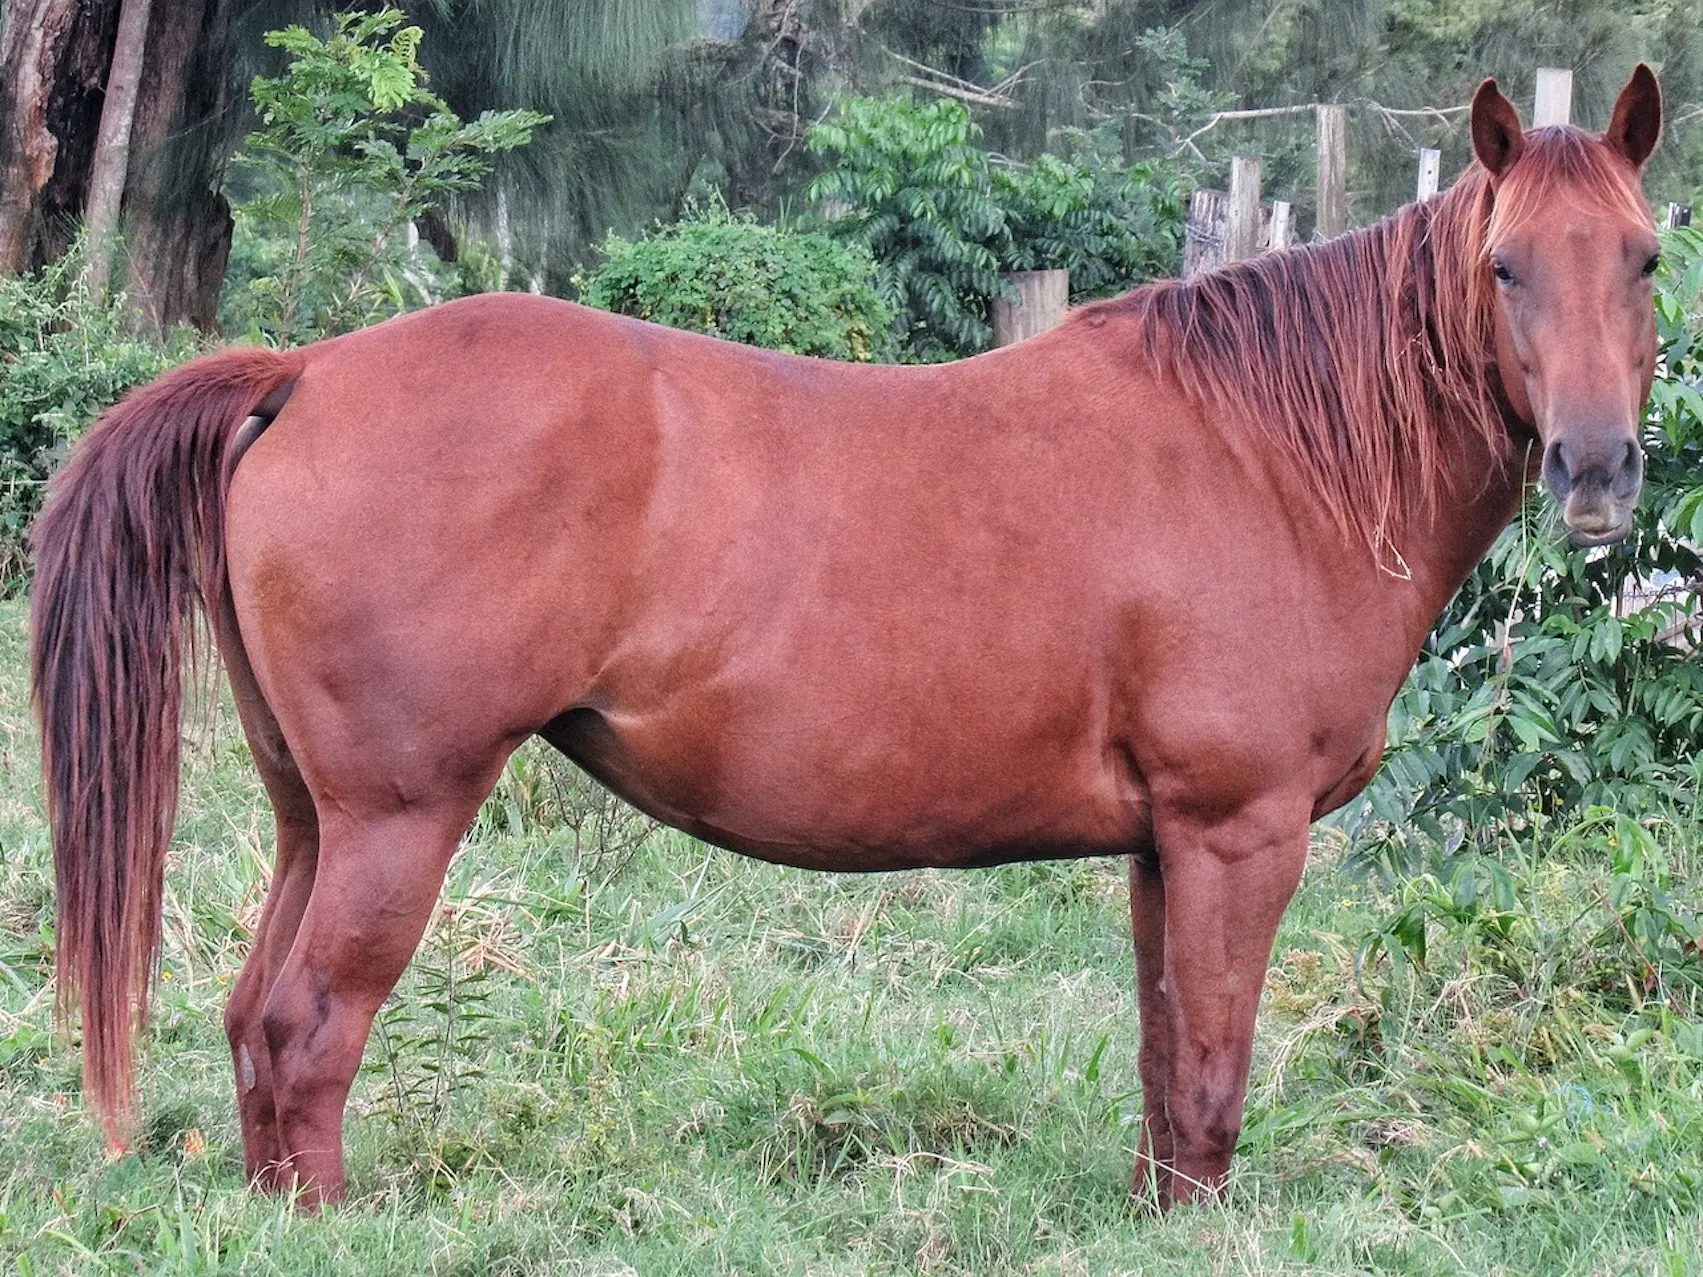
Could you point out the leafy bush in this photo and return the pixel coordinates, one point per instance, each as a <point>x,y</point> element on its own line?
<point>352,148</point>
<point>1635,941</point>
<point>943,220</point>
<point>718,273</point>
<point>1563,679</point>
<point>1525,1020</point>
<point>918,196</point>
<point>63,358</point>
<point>1111,226</point>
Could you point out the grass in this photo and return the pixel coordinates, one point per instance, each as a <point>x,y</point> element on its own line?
<point>618,1054</point>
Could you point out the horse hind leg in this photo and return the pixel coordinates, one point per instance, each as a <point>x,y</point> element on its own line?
<point>294,866</point>
<point>378,879</point>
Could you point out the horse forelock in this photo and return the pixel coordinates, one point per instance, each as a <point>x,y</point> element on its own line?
<point>1365,356</point>
<point>1566,167</point>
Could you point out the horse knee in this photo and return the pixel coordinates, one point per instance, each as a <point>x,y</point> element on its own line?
<point>297,1032</point>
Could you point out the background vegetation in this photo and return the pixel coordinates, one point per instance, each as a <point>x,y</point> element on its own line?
<point>351,152</point>
<point>943,219</point>
<point>64,357</point>
<point>726,275</point>
<point>654,100</point>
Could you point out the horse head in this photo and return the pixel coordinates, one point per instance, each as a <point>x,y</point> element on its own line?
<point>1572,252</point>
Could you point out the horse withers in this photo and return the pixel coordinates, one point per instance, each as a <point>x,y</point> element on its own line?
<point>1144,585</point>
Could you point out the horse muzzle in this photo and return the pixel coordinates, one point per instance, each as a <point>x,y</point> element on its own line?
<point>1596,482</point>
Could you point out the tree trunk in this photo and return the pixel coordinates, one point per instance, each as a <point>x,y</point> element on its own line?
<point>55,56</point>
<point>505,240</point>
<point>112,145</point>
<point>53,64</point>
<point>179,224</point>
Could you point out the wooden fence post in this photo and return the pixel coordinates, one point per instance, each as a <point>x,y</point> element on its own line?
<point>1242,230</point>
<point>1043,296</point>
<point>1203,243</point>
<point>1207,242</point>
<point>1554,104</point>
<point>1430,162</point>
<point>1333,171</point>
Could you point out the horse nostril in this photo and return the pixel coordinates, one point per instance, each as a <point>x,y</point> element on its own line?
<point>1556,475</point>
<point>1631,477</point>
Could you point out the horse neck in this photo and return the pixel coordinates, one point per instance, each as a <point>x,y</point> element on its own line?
<point>1479,496</point>
<point>1482,474</point>
<point>1478,493</point>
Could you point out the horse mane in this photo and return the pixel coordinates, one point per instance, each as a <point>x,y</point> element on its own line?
<point>1355,353</point>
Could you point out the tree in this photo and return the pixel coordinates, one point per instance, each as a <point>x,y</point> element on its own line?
<point>351,149</point>
<point>652,99</point>
<point>55,61</point>
<point>1152,64</point>
<point>647,99</point>
<point>601,66</point>
<point>915,192</point>
<point>53,55</point>
<point>112,143</point>
<point>189,114</point>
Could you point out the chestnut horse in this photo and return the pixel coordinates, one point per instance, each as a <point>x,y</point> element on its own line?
<point>1144,585</point>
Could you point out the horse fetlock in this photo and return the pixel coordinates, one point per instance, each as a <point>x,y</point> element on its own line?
<point>312,1176</point>
<point>1204,1128</point>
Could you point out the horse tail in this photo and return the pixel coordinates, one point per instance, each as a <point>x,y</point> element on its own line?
<point>130,541</point>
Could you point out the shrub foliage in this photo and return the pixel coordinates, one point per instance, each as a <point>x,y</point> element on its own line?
<point>911,188</point>
<point>944,220</point>
<point>63,358</point>
<point>724,274</point>
<point>1112,226</point>
<point>352,148</point>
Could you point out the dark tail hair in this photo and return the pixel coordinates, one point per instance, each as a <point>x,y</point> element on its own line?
<point>131,540</point>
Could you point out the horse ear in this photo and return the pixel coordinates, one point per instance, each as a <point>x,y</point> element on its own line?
<point>1636,125</point>
<point>1497,138</point>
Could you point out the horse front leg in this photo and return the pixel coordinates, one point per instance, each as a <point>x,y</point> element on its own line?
<point>1226,883</point>
<point>1152,1180</point>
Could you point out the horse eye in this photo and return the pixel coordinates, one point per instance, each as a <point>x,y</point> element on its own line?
<point>1501,271</point>
<point>1653,265</point>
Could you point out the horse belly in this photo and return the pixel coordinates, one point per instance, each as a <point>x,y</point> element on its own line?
<point>874,798</point>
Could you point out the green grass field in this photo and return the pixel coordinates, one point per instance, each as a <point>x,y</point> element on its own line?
<point>663,1059</point>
